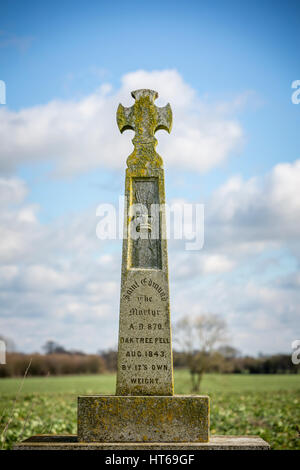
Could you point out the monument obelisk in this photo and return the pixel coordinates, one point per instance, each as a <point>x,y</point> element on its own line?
<point>145,352</point>
<point>144,408</point>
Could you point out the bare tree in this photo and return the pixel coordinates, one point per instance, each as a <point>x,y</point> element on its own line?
<point>198,337</point>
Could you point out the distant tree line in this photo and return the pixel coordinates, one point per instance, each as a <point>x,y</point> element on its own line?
<point>224,364</point>
<point>51,364</point>
<point>57,360</point>
<point>66,363</point>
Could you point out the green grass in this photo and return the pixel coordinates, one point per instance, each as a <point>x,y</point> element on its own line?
<point>265,405</point>
<point>68,384</point>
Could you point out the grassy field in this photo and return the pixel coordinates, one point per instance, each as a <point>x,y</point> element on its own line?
<point>265,405</point>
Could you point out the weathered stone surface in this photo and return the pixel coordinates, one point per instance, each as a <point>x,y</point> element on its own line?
<point>145,364</point>
<point>145,119</point>
<point>143,419</point>
<point>70,442</point>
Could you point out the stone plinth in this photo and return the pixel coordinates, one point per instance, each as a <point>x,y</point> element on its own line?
<point>70,442</point>
<point>112,418</point>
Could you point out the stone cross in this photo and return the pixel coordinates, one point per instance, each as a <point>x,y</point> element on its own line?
<point>145,365</point>
<point>144,409</point>
<point>145,119</point>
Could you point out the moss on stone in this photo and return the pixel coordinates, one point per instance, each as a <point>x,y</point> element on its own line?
<point>143,418</point>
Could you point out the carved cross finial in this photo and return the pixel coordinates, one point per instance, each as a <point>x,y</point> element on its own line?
<point>145,119</point>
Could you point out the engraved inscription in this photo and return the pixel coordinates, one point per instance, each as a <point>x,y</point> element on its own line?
<point>145,356</point>
<point>145,282</point>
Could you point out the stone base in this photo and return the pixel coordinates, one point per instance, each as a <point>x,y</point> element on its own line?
<point>70,442</point>
<point>111,418</point>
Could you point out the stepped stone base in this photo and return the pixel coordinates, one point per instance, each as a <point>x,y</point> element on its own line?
<point>111,418</point>
<point>70,442</point>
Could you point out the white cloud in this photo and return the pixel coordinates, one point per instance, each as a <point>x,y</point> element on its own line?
<point>82,135</point>
<point>284,194</point>
<point>45,278</point>
<point>17,220</point>
<point>258,211</point>
<point>217,264</point>
<point>12,191</point>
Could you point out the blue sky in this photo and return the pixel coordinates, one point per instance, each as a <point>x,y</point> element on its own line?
<point>227,70</point>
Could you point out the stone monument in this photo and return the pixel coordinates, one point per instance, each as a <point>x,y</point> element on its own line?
<point>144,408</point>
<point>144,413</point>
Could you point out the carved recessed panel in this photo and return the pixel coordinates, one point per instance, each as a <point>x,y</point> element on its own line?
<point>145,225</point>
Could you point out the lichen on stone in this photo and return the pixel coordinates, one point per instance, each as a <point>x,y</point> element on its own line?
<point>144,118</point>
